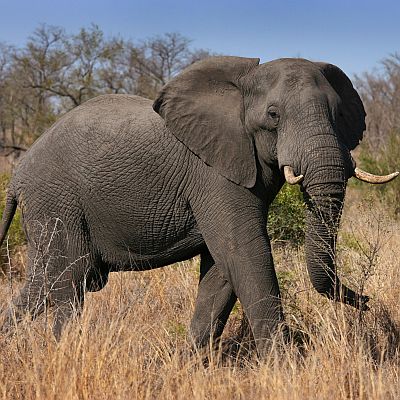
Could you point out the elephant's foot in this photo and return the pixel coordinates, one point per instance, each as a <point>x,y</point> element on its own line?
<point>350,297</point>
<point>63,313</point>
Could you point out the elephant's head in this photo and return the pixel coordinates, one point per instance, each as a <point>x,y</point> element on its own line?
<point>303,117</point>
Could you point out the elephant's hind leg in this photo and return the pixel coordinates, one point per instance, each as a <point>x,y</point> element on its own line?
<point>214,303</point>
<point>57,262</point>
<point>31,301</point>
<point>44,290</point>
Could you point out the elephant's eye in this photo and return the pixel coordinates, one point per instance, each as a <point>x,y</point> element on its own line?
<point>273,114</point>
<point>273,117</point>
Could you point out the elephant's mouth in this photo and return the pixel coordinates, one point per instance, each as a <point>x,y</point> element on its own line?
<point>358,173</point>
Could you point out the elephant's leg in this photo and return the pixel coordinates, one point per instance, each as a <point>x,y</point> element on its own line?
<point>236,236</point>
<point>66,296</point>
<point>66,306</point>
<point>57,262</point>
<point>31,299</point>
<point>253,277</point>
<point>88,273</point>
<point>59,291</point>
<point>215,300</point>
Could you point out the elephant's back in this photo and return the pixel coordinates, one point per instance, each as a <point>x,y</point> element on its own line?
<point>99,124</point>
<point>98,136</point>
<point>117,137</point>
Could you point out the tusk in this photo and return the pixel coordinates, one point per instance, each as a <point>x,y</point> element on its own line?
<point>290,177</point>
<point>371,178</point>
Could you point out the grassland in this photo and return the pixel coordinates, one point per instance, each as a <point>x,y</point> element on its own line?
<point>131,341</point>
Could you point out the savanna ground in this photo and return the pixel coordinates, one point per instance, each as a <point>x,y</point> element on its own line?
<point>131,341</point>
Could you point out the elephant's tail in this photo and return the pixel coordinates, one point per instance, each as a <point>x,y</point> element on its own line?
<point>8,214</point>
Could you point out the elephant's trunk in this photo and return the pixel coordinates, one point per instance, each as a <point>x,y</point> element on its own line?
<point>322,218</point>
<point>329,166</point>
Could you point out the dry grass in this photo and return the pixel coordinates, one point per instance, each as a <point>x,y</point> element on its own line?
<point>131,341</point>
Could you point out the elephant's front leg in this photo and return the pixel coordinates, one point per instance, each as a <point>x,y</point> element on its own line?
<point>253,278</point>
<point>236,236</point>
<point>215,300</point>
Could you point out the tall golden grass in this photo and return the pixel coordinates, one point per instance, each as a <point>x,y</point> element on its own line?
<point>131,341</point>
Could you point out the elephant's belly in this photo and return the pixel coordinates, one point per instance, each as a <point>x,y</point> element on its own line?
<point>182,250</point>
<point>145,240</point>
<point>143,256</point>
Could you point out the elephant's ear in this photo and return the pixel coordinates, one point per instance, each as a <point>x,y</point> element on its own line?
<point>203,108</point>
<point>352,113</point>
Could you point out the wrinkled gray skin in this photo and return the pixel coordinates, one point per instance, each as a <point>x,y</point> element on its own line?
<point>115,185</point>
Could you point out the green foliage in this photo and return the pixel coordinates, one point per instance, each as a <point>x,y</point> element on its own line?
<point>286,216</point>
<point>384,161</point>
<point>349,241</point>
<point>177,329</point>
<point>237,309</point>
<point>286,279</point>
<point>15,232</point>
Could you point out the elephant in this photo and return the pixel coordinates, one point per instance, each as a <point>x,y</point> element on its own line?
<point>121,183</point>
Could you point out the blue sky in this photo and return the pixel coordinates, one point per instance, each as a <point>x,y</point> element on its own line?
<point>352,34</point>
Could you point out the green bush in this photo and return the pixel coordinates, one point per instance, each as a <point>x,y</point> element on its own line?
<point>286,216</point>
<point>15,233</point>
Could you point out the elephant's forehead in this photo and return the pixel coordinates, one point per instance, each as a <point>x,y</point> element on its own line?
<point>289,64</point>
<point>291,69</point>
<point>294,74</point>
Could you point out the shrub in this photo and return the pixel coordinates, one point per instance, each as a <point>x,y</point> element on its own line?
<point>286,216</point>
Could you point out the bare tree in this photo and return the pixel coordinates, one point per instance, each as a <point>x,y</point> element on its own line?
<point>6,122</point>
<point>114,74</point>
<point>160,58</point>
<point>56,71</point>
<point>380,92</point>
<point>67,68</point>
<point>35,69</point>
<point>88,49</point>
<point>163,57</point>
